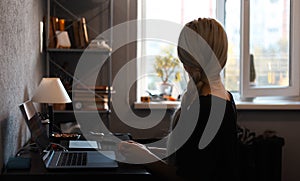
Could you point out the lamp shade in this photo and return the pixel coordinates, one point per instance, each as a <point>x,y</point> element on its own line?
<point>52,91</point>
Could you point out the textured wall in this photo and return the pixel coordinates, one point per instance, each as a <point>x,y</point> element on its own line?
<point>21,68</point>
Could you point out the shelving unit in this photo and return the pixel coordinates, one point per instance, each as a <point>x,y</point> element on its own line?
<point>82,68</point>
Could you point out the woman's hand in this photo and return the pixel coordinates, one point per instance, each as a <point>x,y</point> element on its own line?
<point>136,153</point>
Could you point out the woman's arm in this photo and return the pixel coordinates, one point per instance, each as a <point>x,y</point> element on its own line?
<point>159,152</point>
<point>137,153</point>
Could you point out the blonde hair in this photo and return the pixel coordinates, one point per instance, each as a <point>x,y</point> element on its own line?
<point>214,35</point>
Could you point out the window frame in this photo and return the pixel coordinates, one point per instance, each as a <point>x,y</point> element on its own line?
<point>246,90</point>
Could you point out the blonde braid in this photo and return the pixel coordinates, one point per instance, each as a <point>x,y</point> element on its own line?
<point>215,37</point>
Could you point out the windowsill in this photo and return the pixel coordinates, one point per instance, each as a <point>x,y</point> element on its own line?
<point>255,104</point>
<point>263,104</point>
<point>267,103</point>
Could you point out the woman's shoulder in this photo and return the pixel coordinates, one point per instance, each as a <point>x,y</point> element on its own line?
<point>230,96</point>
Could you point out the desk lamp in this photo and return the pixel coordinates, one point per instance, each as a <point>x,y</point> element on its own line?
<point>51,91</point>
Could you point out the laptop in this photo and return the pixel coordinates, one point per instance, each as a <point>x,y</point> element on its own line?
<point>63,159</point>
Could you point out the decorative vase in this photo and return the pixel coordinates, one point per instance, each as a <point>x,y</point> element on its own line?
<point>165,88</point>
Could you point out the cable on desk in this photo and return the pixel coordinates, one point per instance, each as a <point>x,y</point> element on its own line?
<point>34,147</point>
<point>28,147</point>
<point>55,145</point>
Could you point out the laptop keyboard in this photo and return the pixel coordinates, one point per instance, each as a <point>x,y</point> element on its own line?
<point>76,159</point>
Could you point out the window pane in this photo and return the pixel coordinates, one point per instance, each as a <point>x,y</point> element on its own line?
<point>177,11</point>
<point>269,42</point>
<point>232,27</point>
<point>151,81</point>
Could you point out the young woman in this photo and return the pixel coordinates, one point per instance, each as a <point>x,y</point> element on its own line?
<point>203,142</point>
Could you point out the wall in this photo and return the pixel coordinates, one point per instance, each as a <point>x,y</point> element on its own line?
<point>286,124</point>
<point>21,67</point>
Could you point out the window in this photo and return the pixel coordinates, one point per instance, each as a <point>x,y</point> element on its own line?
<point>262,34</point>
<point>262,58</point>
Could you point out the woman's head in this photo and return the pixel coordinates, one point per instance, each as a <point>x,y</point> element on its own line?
<point>211,38</point>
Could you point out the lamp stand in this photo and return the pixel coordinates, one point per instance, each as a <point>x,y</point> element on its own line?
<point>51,119</point>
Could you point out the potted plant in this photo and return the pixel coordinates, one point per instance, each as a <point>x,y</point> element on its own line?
<point>166,67</point>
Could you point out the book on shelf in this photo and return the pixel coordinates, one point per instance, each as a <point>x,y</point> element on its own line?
<point>96,88</point>
<point>91,96</point>
<point>90,99</point>
<point>75,33</point>
<point>90,105</point>
<point>85,32</point>
<point>80,31</point>
<point>52,27</point>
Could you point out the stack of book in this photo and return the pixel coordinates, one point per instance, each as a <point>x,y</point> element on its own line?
<point>90,98</point>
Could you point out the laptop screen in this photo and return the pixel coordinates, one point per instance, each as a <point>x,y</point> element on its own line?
<point>37,129</point>
<point>38,132</point>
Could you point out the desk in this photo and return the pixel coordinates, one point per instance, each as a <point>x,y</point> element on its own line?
<point>37,169</point>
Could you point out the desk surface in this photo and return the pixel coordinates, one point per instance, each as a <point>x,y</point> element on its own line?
<point>37,169</point>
